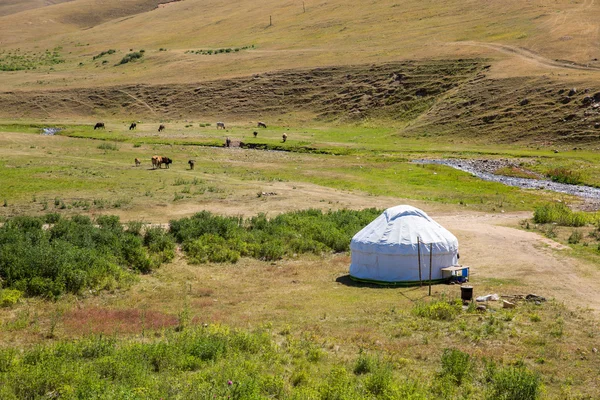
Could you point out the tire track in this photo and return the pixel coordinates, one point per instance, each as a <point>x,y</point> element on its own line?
<point>528,55</point>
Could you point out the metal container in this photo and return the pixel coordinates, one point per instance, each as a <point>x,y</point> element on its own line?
<point>466,293</point>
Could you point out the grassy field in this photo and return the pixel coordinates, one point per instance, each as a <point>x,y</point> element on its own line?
<point>112,292</point>
<point>43,173</point>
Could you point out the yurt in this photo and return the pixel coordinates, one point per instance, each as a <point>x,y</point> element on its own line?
<point>387,251</point>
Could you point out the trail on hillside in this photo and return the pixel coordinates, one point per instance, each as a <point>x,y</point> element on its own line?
<point>528,55</point>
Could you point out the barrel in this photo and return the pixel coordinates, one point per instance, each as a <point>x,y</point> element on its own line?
<point>466,293</point>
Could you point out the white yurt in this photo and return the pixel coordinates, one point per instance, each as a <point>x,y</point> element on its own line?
<point>387,250</point>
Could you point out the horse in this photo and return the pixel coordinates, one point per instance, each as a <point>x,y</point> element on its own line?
<point>284,137</point>
<point>261,125</point>
<point>227,142</point>
<point>255,134</point>
<point>99,125</point>
<point>161,128</point>
<point>221,125</point>
<point>137,162</point>
<point>132,126</point>
<point>192,163</point>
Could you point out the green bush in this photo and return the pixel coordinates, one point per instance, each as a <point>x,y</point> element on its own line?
<point>131,57</point>
<point>456,365</point>
<point>364,364</point>
<point>9,297</point>
<point>75,254</point>
<point>575,237</point>
<point>438,310</point>
<point>560,214</point>
<point>308,231</point>
<point>514,383</point>
<point>563,175</point>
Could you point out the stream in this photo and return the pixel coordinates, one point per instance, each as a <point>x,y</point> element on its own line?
<point>475,168</point>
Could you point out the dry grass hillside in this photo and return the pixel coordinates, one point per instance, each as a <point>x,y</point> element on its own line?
<point>67,60</point>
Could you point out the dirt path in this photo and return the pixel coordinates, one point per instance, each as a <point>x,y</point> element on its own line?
<point>528,55</point>
<point>495,249</point>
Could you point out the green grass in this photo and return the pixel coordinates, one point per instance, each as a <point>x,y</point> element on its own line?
<point>365,162</point>
<point>216,361</point>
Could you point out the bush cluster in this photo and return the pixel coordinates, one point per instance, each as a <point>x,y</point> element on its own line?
<point>102,54</point>
<point>212,238</point>
<point>218,51</point>
<point>131,57</point>
<point>560,214</point>
<point>564,175</point>
<point>75,254</point>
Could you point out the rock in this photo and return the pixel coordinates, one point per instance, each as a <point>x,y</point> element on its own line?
<point>597,125</point>
<point>555,151</point>
<point>507,304</point>
<point>535,297</point>
<point>481,308</point>
<point>587,100</point>
<point>565,100</point>
<point>524,102</point>
<point>597,96</point>
<point>595,350</point>
<point>572,92</point>
<point>421,92</point>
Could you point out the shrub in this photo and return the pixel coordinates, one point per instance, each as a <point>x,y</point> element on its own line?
<point>102,54</point>
<point>559,213</point>
<point>514,383</point>
<point>456,365</point>
<point>160,242</point>
<point>210,247</point>
<point>73,255</point>
<point>290,233</point>
<point>9,297</point>
<point>575,237</point>
<point>563,175</point>
<point>364,364</point>
<point>131,57</point>
<point>438,310</point>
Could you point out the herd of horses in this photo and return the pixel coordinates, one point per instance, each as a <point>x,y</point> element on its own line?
<point>159,161</point>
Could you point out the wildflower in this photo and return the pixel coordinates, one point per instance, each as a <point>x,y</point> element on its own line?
<point>229,383</point>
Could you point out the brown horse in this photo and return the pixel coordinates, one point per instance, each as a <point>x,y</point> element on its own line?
<point>99,125</point>
<point>132,126</point>
<point>161,128</point>
<point>284,137</point>
<point>221,125</point>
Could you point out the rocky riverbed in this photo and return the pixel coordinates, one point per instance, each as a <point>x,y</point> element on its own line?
<point>484,169</point>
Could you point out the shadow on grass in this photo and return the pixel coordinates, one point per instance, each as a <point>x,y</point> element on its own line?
<point>418,292</point>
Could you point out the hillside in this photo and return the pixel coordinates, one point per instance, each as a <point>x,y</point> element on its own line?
<point>69,59</point>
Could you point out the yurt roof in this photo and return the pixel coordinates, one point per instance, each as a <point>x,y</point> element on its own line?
<point>398,231</point>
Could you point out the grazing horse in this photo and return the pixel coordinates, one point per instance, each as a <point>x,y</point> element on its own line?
<point>137,162</point>
<point>255,134</point>
<point>99,125</point>
<point>227,142</point>
<point>161,128</point>
<point>132,126</point>
<point>192,163</point>
<point>284,137</point>
<point>262,124</point>
<point>221,125</point>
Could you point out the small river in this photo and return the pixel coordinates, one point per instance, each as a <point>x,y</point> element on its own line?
<point>587,192</point>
